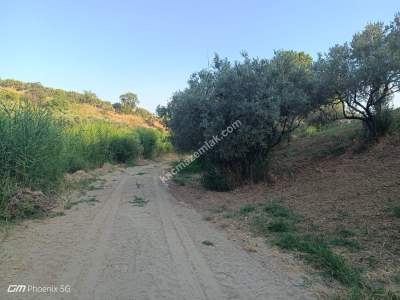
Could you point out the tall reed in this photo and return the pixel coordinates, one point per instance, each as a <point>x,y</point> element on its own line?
<point>36,150</point>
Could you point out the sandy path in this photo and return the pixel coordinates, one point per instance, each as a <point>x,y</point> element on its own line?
<point>116,250</point>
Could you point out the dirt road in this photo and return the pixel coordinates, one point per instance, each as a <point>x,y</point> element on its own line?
<point>135,242</point>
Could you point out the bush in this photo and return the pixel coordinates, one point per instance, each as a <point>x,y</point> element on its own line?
<point>154,142</point>
<point>384,121</point>
<point>215,180</point>
<point>148,139</point>
<point>125,148</point>
<point>262,99</point>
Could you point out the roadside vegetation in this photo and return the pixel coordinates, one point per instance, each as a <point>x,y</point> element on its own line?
<point>331,202</point>
<point>38,149</point>
<point>272,97</point>
<point>321,134</point>
<point>189,174</point>
<point>319,140</point>
<point>288,230</point>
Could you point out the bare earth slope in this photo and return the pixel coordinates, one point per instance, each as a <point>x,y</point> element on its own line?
<point>144,248</point>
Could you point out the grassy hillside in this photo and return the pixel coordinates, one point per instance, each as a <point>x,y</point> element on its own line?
<point>73,106</point>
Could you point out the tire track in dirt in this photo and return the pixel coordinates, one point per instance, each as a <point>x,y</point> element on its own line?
<point>195,276</point>
<point>85,269</point>
<point>144,252</point>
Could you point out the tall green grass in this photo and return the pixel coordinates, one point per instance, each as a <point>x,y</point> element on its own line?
<point>36,150</point>
<point>91,144</point>
<point>154,142</point>
<point>30,146</point>
<point>30,149</point>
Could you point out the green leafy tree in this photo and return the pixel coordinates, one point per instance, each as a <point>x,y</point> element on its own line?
<point>364,75</point>
<point>162,113</point>
<point>117,107</point>
<point>267,97</point>
<point>129,102</point>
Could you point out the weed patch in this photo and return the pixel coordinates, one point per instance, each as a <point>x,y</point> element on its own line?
<point>246,209</point>
<point>279,223</point>
<point>280,226</point>
<point>396,278</point>
<point>138,201</point>
<point>351,245</point>
<point>207,243</point>
<point>396,211</point>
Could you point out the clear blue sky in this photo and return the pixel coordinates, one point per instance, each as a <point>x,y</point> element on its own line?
<point>151,47</point>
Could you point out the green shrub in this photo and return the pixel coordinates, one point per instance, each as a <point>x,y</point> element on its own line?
<point>395,128</point>
<point>197,166</point>
<point>148,139</point>
<point>247,209</point>
<point>125,148</point>
<point>280,226</point>
<point>215,180</point>
<point>396,211</point>
<point>384,121</point>
<point>154,142</point>
<point>277,210</point>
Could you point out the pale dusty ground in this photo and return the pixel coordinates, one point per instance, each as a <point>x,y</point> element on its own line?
<point>114,250</point>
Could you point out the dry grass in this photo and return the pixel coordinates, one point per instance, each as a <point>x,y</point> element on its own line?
<point>86,111</point>
<point>344,194</point>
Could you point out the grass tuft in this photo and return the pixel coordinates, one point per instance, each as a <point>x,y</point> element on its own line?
<point>280,226</point>
<point>396,211</point>
<point>247,209</point>
<point>351,245</point>
<point>275,221</point>
<point>207,243</point>
<point>320,255</point>
<point>138,201</point>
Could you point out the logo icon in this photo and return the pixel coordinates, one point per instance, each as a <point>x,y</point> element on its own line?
<point>16,288</point>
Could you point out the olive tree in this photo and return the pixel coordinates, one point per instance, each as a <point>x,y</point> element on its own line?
<point>267,97</point>
<point>363,75</point>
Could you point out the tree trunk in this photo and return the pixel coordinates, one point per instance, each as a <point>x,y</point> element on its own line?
<point>370,127</point>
